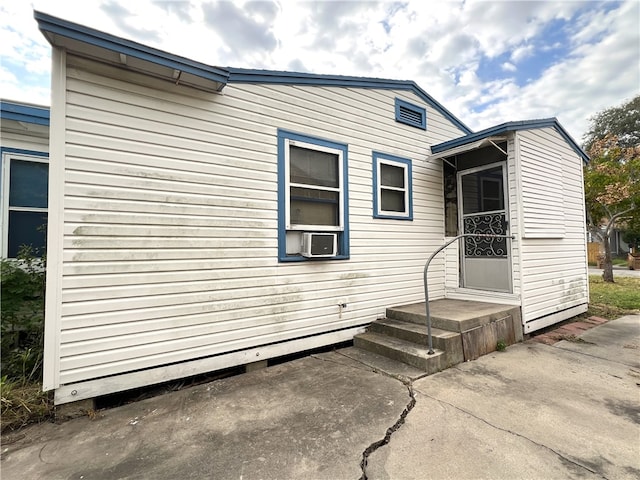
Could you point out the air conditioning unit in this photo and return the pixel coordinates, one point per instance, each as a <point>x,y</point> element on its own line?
<point>318,245</point>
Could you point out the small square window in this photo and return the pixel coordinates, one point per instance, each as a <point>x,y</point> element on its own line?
<point>392,195</point>
<point>411,114</point>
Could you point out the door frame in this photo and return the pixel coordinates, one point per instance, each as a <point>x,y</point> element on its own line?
<point>459,175</point>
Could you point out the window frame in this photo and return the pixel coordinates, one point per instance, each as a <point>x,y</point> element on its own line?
<point>7,155</point>
<point>286,139</point>
<point>379,159</point>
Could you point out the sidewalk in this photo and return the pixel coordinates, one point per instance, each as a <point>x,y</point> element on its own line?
<point>569,410</point>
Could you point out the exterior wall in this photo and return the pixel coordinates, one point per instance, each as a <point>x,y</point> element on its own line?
<point>33,138</point>
<point>554,278</point>
<point>168,234</point>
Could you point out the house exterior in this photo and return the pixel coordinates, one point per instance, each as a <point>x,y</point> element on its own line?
<point>202,218</point>
<point>24,171</point>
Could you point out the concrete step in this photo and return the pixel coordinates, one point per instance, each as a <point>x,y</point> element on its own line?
<point>455,315</point>
<point>447,341</point>
<point>402,351</point>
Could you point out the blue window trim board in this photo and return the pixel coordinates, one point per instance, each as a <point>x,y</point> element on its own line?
<point>413,108</point>
<point>343,236</point>
<point>377,156</point>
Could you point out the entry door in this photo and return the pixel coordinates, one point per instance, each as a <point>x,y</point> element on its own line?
<point>485,262</point>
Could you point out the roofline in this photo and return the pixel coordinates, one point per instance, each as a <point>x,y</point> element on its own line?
<point>53,25</point>
<point>245,75</point>
<point>50,25</point>
<point>22,112</point>
<point>512,127</point>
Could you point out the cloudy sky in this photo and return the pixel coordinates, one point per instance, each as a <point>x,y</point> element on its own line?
<point>486,61</point>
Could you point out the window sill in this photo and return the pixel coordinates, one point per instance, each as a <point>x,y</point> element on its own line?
<point>300,258</point>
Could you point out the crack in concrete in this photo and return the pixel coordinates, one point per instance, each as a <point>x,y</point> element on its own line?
<point>387,437</point>
<point>561,456</point>
<point>396,426</point>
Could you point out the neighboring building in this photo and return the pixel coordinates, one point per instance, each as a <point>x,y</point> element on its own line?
<point>205,217</point>
<point>24,176</point>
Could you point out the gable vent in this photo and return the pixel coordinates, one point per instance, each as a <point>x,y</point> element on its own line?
<point>410,114</point>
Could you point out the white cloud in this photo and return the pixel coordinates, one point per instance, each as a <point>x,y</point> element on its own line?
<point>520,53</point>
<point>439,44</point>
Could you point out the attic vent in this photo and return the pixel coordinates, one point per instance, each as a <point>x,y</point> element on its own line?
<point>410,114</point>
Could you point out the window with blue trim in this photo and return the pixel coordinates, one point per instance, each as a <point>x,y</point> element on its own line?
<point>411,114</point>
<point>312,196</point>
<point>24,203</point>
<point>392,181</point>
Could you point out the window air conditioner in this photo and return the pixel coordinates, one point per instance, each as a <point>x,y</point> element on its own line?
<point>315,245</point>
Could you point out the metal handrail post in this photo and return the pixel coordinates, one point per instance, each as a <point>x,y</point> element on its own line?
<point>426,267</point>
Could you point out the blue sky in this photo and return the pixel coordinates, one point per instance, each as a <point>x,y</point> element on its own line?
<point>488,62</point>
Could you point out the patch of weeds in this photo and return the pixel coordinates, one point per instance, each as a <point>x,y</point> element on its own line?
<point>22,327</point>
<point>501,346</point>
<point>574,339</point>
<point>22,404</point>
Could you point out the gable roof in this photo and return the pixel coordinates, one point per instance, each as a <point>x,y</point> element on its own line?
<point>91,43</point>
<point>23,112</point>
<point>477,139</point>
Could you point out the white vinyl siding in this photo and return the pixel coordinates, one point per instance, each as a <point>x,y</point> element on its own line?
<point>542,191</point>
<point>554,277</point>
<point>170,248</point>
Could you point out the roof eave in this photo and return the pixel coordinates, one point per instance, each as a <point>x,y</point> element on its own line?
<point>24,113</point>
<point>507,128</point>
<point>111,49</point>
<point>243,75</point>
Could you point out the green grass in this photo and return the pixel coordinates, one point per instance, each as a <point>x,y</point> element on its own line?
<point>624,294</point>
<point>619,261</point>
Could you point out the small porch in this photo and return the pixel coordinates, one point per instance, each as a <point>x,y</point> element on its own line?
<point>462,330</point>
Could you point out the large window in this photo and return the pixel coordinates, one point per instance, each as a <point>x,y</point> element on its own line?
<point>23,210</point>
<point>392,196</point>
<point>312,192</point>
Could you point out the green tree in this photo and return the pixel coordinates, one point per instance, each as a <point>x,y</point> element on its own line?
<point>622,122</point>
<point>612,178</point>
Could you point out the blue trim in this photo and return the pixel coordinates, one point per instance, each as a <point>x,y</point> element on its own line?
<point>377,156</point>
<point>413,108</point>
<point>512,127</point>
<point>24,113</point>
<point>23,152</point>
<point>243,75</point>
<point>53,25</point>
<point>343,236</point>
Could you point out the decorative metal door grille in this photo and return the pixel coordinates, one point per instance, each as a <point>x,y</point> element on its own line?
<point>483,224</point>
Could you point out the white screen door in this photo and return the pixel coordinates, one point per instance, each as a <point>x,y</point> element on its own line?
<point>486,264</point>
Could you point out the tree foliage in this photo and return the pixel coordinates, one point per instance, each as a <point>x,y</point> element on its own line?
<point>612,178</point>
<point>622,122</point>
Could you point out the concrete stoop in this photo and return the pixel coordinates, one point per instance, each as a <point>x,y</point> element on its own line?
<point>461,330</point>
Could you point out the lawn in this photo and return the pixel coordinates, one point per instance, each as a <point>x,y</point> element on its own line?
<point>612,300</point>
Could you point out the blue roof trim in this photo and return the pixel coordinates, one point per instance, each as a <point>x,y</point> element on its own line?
<point>24,113</point>
<point>243,75</point>
<point>74,31</point>
<point>512,127</point>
